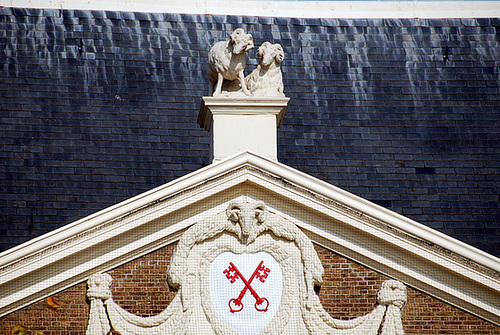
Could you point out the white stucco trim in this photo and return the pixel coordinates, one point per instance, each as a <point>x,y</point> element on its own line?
<point>367,233</point>
<point>378,212</point>
<point>302,9</point>
<point>299,178</point>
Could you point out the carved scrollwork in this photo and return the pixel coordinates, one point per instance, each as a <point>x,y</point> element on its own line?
<point>244,228</point>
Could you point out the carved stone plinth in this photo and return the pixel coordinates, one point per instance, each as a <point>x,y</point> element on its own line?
<point>240,124</point>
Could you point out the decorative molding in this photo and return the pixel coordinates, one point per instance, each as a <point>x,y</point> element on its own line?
<point>364,232</point>
<point>213,106</point>
<point>244,231</point>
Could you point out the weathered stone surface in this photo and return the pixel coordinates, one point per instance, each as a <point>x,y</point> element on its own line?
<point>246,233</point>
<point>226,61</point>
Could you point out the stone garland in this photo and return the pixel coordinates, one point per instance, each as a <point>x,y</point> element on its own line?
<point>244,228</point>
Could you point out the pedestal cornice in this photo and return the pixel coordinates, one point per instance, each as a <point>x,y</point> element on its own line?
<point>211,106</point>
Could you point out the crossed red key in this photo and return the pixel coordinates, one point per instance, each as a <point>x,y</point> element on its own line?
<point>261,272</point>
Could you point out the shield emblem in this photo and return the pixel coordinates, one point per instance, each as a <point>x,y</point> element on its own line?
<point>246,289</point>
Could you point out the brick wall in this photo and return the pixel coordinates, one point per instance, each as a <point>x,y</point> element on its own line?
<point>139,286</point>
<point>98,106</point>
<point>349,290</point>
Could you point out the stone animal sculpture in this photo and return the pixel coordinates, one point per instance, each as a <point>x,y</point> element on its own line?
<point>226,60</point>
<point>247,216</point>
<point>267,79</point>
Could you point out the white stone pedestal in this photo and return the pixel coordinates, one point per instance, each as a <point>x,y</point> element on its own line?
<point>240,124</point>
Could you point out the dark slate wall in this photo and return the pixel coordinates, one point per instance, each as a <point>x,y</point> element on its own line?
<point>97,107</point>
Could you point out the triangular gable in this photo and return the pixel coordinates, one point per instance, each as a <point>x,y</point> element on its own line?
<point>351,226</point>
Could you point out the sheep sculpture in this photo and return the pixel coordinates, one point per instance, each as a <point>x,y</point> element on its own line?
<point>226,61</point>
<point>266,79</point>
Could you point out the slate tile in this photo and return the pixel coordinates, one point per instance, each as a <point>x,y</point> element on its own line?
<point>315,97</point>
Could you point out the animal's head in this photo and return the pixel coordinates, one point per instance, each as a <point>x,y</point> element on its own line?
<point>270,53</point>
<point>249,216</point>
<point>241,41</point>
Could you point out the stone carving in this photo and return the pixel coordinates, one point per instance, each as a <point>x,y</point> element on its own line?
<point>247,235</point>
<point>266,79</point>
<point>226,60</point>
<point>226,65</point>
<point>247,216</point>
<point>393,295</point>
<point>98,292</point>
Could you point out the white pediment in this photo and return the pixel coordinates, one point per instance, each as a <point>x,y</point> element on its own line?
<point>337,220</point>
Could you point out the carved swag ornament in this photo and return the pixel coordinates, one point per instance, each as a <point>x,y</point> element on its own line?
<point>244,271</point>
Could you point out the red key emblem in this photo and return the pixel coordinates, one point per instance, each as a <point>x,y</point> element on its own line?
<point>261,272</point>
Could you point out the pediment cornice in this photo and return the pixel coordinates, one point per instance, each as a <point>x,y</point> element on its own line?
<point>344,223</point>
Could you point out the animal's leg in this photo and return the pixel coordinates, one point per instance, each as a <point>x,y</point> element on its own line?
<point>243,84</point>
<point>218,87</point>
<point>280,87</point>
